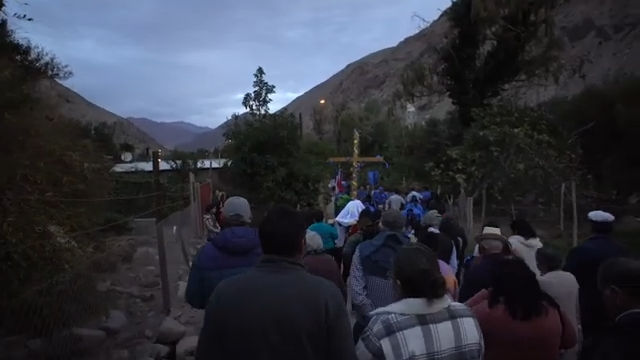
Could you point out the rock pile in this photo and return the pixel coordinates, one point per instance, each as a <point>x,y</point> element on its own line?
<point>107,341</point>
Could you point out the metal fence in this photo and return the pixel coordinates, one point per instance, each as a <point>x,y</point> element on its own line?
<point>103,300</point>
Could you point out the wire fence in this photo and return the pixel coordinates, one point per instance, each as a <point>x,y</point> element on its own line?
<point>79,288</point>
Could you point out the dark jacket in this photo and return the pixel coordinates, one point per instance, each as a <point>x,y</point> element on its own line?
<point>276,311</point>
<point>445,250</point>
<point>324,265</point>
<point>232,252</point>
<point>583,261</point>
<point>477,277</point>
<point>618,341</point>
<point>377,254</point>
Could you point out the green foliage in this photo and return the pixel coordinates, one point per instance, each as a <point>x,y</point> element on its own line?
<point>603,120</point>
<point>492,44</point>
<point>44,239</point>
<point>514,151</point>
<point>268,157</point>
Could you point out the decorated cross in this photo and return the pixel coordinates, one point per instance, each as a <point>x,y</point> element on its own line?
<point>356,161</point>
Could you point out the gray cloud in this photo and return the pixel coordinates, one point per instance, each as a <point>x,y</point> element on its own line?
<point>189,60</point>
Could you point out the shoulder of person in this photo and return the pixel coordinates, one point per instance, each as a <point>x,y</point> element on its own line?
<point>326,290</point>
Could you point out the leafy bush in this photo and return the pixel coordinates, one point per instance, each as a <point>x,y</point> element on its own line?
<point>46,159</point>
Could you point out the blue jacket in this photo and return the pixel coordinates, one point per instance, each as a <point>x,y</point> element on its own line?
<point>328,233</point>
<point>378,253</point>
<point>417,211</point>
<point>379,196</point>
<point>233,251</point>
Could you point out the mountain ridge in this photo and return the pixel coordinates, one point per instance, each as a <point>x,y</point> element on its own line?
<point>599,38</point>
<point>72,105</point>
<point>169,134</point>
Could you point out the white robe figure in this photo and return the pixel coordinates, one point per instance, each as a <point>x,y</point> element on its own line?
<point>347,217</point>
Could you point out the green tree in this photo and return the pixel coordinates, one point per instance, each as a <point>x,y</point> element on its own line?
<point>603,121</point>
<point>491,44</point>
<point>514,151</point>
<point>268,157</point>
<point>55,169</point>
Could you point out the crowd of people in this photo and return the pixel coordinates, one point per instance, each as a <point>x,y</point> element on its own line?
<point>400,264</point>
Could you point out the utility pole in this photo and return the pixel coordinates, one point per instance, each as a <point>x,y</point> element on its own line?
<point>162,251</point>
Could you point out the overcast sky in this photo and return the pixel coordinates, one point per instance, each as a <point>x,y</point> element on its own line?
<point>192,60</point>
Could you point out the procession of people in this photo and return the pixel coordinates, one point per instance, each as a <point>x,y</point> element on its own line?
<point>394,277</point>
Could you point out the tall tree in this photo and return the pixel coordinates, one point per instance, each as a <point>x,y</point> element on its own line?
<point>490,45</point>
<point>266,152</point>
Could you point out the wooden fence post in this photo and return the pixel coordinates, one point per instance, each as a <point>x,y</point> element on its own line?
<point>162,251</point>
<point>484,205</point>
<point>575,213</point>
<point>562,190</point>
<point>194,211</point>
<point>470,215</point>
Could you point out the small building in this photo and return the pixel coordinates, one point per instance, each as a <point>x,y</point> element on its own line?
<point>206,168</point>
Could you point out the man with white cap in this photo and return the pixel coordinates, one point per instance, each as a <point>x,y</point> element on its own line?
<point>584,260</point>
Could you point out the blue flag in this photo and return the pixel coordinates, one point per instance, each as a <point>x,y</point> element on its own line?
<point>373,177</point>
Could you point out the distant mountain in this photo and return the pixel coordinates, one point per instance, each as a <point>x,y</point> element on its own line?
<point>72,105</point>
<point>211,138</point>
<point>169,134</point>
<point>196,129</point>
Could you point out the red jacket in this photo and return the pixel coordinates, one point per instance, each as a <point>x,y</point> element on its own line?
<point>323,265</point>
<point>507,339</point>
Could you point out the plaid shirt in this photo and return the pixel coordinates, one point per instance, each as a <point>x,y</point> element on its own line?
<point>414,329</point>
<point>368,292</point>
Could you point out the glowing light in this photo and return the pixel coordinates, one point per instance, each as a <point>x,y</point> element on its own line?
<point>322,101</point>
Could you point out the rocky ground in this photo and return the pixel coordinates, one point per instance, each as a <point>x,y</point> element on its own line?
<point>136,327</point>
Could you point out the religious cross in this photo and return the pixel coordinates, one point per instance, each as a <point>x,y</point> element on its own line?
<point>355,161</point>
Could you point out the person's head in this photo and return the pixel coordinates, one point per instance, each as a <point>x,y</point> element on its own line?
<point>514,285</point>
<point>417,273</point>
<point>522,228</point>
<point>548,260</point>
<point>428,238</point>
<point>282,232</point>
<point>431,219</point>
<point>449,228</point>
<point>601,222</point>
<point>436,205</point>
<point>312,241</point>
<point>491,240</point>
<point>414,199</point>
<point>392,220</point>
<point>368,223</point>
<point>236,211</point>
<point>368,199</point>
<point>210,209</point>
<point>619,281</point>
<point>317,216</point>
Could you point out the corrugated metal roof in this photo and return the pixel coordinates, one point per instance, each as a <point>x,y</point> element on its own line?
<point>147,166</point>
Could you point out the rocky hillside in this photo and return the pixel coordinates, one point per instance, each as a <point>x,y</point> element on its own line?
<point>169,134</point>
<point>72,105</point>
<point>602,37</point>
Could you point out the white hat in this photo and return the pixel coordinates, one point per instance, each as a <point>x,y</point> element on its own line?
<point>600,216</point>
<point>491,230</point>
<point>237,206</point>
